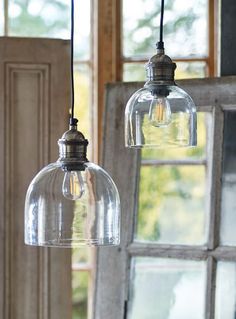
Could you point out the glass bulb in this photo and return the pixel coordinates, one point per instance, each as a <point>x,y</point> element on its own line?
<point>159,112</point>
<point>73,185</point>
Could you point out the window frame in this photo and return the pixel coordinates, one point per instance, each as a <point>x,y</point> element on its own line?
<point>113,265</point>
<point>108,68</point>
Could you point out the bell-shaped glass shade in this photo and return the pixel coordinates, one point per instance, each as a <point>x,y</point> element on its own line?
<point>164,116</point>
<point>72,208</point>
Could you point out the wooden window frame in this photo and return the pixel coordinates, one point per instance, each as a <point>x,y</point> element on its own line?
<point>108,59</point>
<point>113,265</point>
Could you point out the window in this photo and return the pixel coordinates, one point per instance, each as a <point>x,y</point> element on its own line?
<point>35,18</point>
<point>169,266</point>
<point>188,47</point>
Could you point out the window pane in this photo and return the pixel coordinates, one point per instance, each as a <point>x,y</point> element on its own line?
<point>225,291</point>
<point>82,29</point>
<point>199,152</point>
<point>190,70</point>
<point>2,18</point>
<point>82,97</point>
<point>172,205</point>
<point>228,204</point>
<point>80,281</point>
<point>167,288</point>
<point>51,19</point>
<point>135,71</point>
<point>182,21</point>
<point>39,18</point>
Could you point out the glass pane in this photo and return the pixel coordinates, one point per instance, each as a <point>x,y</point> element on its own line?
<point>225,291</point>
<point>228,216</point>
<point>82,98</point>
<point>2,18</point>
<point>51,19</point>
<point>190,70</point>
<point>185,70</point>
<point>167,288</point>
<point>80,280</point>
<point>82,29</point>
<point>81,265</point>
<point>172,205</point>
<point>199,152</point>
<point>182,21</point>
<point>39,18</point>
<point>134,72</point>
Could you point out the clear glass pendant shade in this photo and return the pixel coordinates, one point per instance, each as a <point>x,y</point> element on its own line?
<point>163,116</point>
<point>70,208</point>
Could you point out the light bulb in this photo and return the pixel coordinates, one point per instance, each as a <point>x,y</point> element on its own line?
<point>73,185</point>
<point>159,111</point>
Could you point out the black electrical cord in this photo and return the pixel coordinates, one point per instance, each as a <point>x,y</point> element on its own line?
<point>73,120</point>
<point>160,43</point>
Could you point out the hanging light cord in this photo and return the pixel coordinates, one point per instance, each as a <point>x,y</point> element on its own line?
<point>73,120</point>
<point>160,43</point>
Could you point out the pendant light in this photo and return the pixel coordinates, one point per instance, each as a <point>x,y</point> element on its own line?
<point>72,202</point>
<point>160,114</point>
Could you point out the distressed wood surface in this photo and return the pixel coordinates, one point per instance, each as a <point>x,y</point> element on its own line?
<point>113,264</point>
<point>106,15</point>
<point>122,164</point>
<point>34,81</point>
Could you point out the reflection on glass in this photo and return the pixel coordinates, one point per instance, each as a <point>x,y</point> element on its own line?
<point>167,289</point>
<point>199,152</point>
<point>225,305</point>
<point>51,19</point>
<point>183,20</point>
<point>172,205</point>
<point>228,203</point>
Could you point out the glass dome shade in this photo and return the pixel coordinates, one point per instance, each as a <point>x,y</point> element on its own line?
<point>72,208</point>
<point>160,116</point>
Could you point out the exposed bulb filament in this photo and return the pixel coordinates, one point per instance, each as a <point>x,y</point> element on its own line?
<point>159,111</point>
<point>73,185</point>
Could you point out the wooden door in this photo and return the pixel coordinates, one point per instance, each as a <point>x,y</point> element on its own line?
<point>35,283</point>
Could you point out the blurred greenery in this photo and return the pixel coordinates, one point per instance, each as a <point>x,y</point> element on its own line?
<point>185,70</point>
<point>38,18</point>
<point>198,152</point>
<point>80,281</point>
<point>147,23</point>
<point>182,20</point>
<point>172,207</point>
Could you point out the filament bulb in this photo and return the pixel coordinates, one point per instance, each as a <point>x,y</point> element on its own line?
<point>73,185</point>
<point>160,112</point>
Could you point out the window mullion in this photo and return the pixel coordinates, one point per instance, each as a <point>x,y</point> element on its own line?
<point>6,17</point>
<point>214,175</point>
<point>210,288</point>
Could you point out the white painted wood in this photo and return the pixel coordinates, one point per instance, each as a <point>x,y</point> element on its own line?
<point>34,84</point>
<point>123,164</point>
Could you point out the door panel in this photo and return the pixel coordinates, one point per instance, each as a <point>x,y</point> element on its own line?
<point>35,283</point>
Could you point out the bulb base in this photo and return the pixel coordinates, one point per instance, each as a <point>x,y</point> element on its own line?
<point>73,149</point>
<point>160,68</point>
